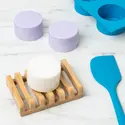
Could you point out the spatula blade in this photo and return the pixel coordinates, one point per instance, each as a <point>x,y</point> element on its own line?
<point>105,71</point>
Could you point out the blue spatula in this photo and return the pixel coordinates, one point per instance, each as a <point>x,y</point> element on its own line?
<point>106,72</point>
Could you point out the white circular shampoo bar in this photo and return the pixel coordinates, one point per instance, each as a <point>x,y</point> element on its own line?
<point>43,73</point>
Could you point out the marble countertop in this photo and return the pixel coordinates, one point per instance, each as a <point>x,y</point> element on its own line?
<point>95,107</point>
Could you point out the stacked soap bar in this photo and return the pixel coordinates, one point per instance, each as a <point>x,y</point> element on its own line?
<point>109,14</point>
<point>63,35</point>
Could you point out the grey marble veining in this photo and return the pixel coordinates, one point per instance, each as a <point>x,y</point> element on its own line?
<point>93,109</point>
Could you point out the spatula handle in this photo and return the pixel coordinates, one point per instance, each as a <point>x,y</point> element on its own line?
<point>118,108</point>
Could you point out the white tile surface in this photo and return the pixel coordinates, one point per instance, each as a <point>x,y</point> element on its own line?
<point>95,108</point>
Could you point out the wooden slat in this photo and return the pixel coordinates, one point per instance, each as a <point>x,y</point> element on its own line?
<point>67,86</point>
<point>10,83</point>
<point>23,89</point>
<point>25,76</point>
<point>67,68</point>
<point>50,97</point>
<point>61,94</point>
<point>40,98</point>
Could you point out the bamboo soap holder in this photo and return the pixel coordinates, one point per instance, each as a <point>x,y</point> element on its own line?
<point>68,90</point>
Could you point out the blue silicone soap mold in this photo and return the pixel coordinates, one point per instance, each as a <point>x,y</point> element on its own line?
<point>109,14</point>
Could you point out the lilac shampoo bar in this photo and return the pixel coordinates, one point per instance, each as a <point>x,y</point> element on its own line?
<point>63,36</point>
<point>28,25</point>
